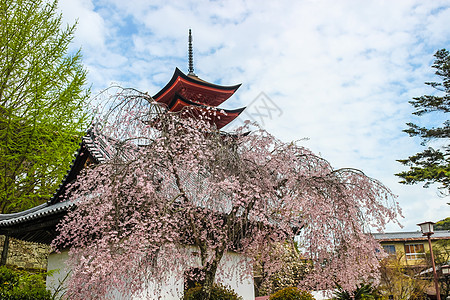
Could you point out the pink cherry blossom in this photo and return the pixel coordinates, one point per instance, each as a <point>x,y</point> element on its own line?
<point>173,180</point>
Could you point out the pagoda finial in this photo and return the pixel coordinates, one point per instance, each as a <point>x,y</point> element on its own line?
<point>191,55</point>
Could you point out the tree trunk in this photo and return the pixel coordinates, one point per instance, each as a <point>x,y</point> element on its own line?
<point>5,251</point>
<point>207,285</point>
<point>210,275</point>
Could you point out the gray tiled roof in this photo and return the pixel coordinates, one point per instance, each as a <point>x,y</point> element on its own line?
<point>96,147</point>
<point>34,213</point>
<point>414,235</point>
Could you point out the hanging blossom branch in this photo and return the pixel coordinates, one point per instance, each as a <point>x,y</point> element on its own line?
<point>174,181</point>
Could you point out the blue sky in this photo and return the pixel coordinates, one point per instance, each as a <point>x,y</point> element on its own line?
<point>337,74</point>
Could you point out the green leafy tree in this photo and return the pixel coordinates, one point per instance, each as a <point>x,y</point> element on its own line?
<point>432,165</point>
<point>442,224</point>
<point>42,102</point>
<point>399,281</point>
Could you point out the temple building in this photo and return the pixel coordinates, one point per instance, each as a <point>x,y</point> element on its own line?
<point>38,224</point>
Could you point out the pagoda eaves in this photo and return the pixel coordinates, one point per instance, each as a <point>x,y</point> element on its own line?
<point>190,92</point>
<point>195,89</point>
<point>219,116</point>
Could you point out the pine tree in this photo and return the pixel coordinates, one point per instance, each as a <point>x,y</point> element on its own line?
<point>431,165</point>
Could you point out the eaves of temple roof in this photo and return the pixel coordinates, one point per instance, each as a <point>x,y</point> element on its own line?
<point>220,117</point>
<point>190,86</point>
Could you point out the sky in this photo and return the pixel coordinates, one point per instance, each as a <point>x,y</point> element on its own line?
<point>335,75</point>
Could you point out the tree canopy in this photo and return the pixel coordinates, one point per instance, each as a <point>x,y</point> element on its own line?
<point>443,224</point>
<point>432,165</point>
<point>174,180</point>
<point>42,102</point>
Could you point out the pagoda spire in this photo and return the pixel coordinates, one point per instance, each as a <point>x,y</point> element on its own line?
<point>191,55</point>
<point>201,98</point>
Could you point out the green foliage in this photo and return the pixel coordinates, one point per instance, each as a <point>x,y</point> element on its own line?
<point>399,281</point>
<point>442,224</point>
<point>17,285</point>
<point>363,292</point>
<point>431,165</point>
<point>291,293</point>
<point>290,274</point>
<point>218,292</point>
<point>42,102</point>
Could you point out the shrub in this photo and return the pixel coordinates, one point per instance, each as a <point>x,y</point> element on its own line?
<point>363,292</point>
<point>218,292</point>
<point>291,293</point>
<point>20,285</point>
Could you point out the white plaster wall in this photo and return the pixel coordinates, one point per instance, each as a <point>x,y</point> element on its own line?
<point>171,289</point>
<point>56,264</point>
<point>233,271</point>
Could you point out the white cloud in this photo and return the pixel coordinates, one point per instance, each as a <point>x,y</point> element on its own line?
<point>342,71</point>
<point>91,31</point>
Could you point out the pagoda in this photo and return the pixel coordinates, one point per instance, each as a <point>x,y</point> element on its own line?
<point>38,224</point>
<point>201,97</point>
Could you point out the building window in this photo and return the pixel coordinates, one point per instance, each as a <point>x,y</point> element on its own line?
<point>414,251</point>
<point>389,249</point>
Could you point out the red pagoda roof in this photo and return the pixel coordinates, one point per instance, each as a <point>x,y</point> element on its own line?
<point>195,89</point>
<point>189,91</point>
<point>220,117</point>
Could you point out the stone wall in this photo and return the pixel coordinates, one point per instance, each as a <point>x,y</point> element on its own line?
<point>25,254</point>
